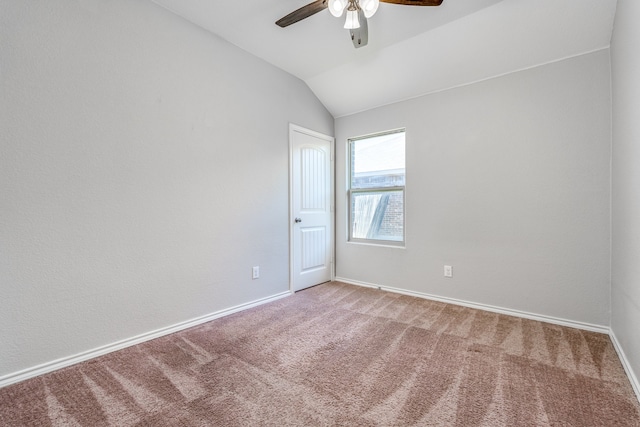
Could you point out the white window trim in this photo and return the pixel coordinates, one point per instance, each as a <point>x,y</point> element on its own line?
<point>350,192</point>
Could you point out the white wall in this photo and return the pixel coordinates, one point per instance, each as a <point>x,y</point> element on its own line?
<point>508,181</point>
<point>625,258</point>
<point>143,172</point>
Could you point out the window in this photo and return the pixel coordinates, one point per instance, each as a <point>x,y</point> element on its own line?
<point>376,188</point>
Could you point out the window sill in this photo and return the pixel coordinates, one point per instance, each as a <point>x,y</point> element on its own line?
<point>383,244</point>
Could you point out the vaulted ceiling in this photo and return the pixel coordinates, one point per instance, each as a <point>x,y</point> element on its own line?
<point>412,50</point>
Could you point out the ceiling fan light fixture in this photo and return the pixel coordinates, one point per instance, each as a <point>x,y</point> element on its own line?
<point>369,7</point>
<point>352,20</point>
<point>358,13</point>
<point>336,7</point>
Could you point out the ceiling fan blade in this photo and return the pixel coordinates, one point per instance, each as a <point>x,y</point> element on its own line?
<point>302,13</point>
<point>360,36</point>
<point>415,2</point>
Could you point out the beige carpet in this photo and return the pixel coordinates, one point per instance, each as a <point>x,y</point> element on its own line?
<point>340,355</point>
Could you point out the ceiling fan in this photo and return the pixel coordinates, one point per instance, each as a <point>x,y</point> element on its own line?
<point>357,13</point>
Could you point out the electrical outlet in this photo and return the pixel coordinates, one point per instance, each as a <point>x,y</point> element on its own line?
<point>255,273</point>
<point>448,271</point>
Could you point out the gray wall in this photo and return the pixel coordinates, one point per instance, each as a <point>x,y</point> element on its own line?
<point>625,264</point>
<point>508,181</point>
<point>143,172</point>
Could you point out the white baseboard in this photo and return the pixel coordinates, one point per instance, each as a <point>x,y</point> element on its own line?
<point>119,345</point>
<point>485,307</point>
<point>633,379</point>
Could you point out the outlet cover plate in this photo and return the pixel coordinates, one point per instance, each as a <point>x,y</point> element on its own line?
<point>448,271</point>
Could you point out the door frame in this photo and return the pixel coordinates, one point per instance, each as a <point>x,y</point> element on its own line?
<point>332,197</point>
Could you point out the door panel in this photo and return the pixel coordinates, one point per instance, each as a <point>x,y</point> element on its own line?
<point>314,247</point>
<point>314,186</point>
<point>311,171</point>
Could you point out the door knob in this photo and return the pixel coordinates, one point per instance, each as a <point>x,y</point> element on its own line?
<point>298,220</point>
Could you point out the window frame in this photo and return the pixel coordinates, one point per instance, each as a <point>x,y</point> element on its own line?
<point>354,191</point>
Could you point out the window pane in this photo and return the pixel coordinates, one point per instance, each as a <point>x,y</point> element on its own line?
<point>378,161</point>
<point>377,215</point>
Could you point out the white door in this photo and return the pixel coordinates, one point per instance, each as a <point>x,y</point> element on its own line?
<point>311,210</point>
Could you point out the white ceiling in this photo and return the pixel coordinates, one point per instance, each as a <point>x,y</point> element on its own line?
<point>412,50</point>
